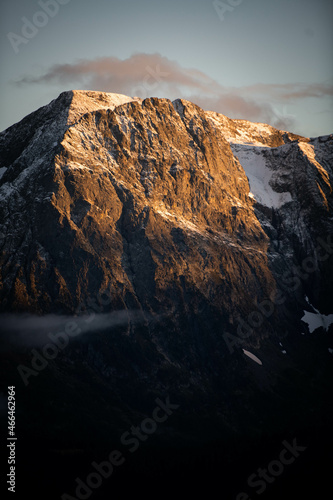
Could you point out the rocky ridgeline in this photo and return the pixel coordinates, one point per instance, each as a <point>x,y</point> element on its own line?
<point>149,201</point>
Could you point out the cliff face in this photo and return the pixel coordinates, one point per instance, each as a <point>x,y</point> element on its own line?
<point>216,232</point>
<point>150,201</point>
<point>142,201</point>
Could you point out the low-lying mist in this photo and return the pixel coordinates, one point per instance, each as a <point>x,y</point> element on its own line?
<point>32,331</point>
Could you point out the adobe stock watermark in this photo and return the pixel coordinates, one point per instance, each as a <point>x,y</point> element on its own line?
<point>60,340</point>
<point>40,19</point>
<point>150,82</point>
<point>293,280</point>
<point>222,8</point>
<point>262,477</point>
<point>282,119</point>
<point>132,439</point>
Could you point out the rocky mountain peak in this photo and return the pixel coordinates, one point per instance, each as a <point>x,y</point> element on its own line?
<point>114,175</point>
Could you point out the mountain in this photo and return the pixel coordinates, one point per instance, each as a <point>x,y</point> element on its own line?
<point>194,254</point>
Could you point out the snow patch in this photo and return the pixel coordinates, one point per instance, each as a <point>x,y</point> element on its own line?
<point>252,356</point>
<point>242,132</point>
<point>316,320</point>
<point>259,176</point>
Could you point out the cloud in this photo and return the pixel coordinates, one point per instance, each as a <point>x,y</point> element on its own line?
<point>238,107</point>
<point>292,91</point>
<point>141,71</point>
<point>29,330</point>
<point>234,105</point>
<point>147,75</point>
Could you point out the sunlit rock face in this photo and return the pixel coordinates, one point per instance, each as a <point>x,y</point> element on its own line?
<point>164,206</point>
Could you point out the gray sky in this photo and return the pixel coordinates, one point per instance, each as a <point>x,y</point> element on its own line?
<point>261,60</point>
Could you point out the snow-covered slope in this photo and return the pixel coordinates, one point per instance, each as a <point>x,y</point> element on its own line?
<point>274,160</point>
<point>257,167</point>
<point>87,101</point>
<point>251,133</point>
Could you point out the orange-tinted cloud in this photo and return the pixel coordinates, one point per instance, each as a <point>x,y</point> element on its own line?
<point>146,75</point>
<point>142,71</point>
